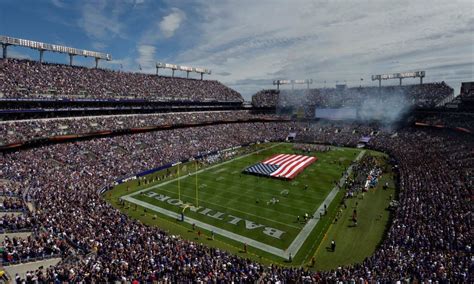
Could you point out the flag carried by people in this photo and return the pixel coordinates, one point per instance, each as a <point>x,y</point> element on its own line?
<point>286,166</point>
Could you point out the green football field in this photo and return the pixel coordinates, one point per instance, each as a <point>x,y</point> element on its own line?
<point>230,208</point>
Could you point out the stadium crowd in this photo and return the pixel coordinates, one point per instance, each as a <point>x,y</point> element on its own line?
<point>464,120</point>
<point>10,189</point>
<point>39,245</point>
<point>24,130</point>
<point>429,239</point>
<point>12,222</point>
<point>424,96</point>
<point>467,90</point>
<point>266,98</point>
<point>20,79</point>
<point>11,204</point>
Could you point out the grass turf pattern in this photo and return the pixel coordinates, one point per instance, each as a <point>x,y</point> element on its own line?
<point>226,189</point>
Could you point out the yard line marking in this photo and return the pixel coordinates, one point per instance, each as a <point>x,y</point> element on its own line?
<point>275,211</point>
<point>205,169</point>
<point>301,199</point>
<point>220,170</point>
<point>232,209</point>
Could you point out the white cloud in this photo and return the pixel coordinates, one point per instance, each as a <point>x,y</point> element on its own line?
<point>101,22</point>
<point>57,3</point>
<point>327,40</point>
<point>171,22</point>
<point>150,36</point>
<point>99,45</point>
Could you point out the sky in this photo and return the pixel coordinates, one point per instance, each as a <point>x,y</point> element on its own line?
<point>247,43</point>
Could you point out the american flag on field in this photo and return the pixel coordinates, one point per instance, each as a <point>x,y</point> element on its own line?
<point>286,166</point>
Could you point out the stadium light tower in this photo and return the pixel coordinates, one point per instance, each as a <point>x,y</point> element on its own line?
<point>186,69</point>
<point>400,76</point>
<point>4,48</point>
<point>6,41</point>
<point>292,82</point>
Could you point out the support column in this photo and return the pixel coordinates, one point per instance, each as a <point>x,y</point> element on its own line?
<point>96,62</point>
<point>172,74</point>
<point>4,47</point>
<point>41,55</point>
<point>187,74</point>
<point>157,70</point>
<point>421,80</point>
<point>380,83</point>
<point>70,58</point>
<point>400,81</point>
<point>201,76</point>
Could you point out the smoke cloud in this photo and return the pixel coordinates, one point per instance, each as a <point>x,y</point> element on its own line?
<point>387,106</point>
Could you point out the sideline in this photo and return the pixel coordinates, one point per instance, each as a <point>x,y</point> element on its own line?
<point>308,228</point>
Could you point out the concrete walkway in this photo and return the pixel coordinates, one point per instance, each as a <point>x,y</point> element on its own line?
<point>30,206</point>
<point>22,235</point>
<point>14,213</point>
<point>22,268</point>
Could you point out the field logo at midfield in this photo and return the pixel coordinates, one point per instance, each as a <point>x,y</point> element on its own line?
<point>230,219</point>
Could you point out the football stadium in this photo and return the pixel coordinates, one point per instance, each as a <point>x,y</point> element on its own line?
<point>215,142</point>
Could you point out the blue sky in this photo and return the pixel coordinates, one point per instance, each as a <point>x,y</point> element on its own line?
<point>247,43</point>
